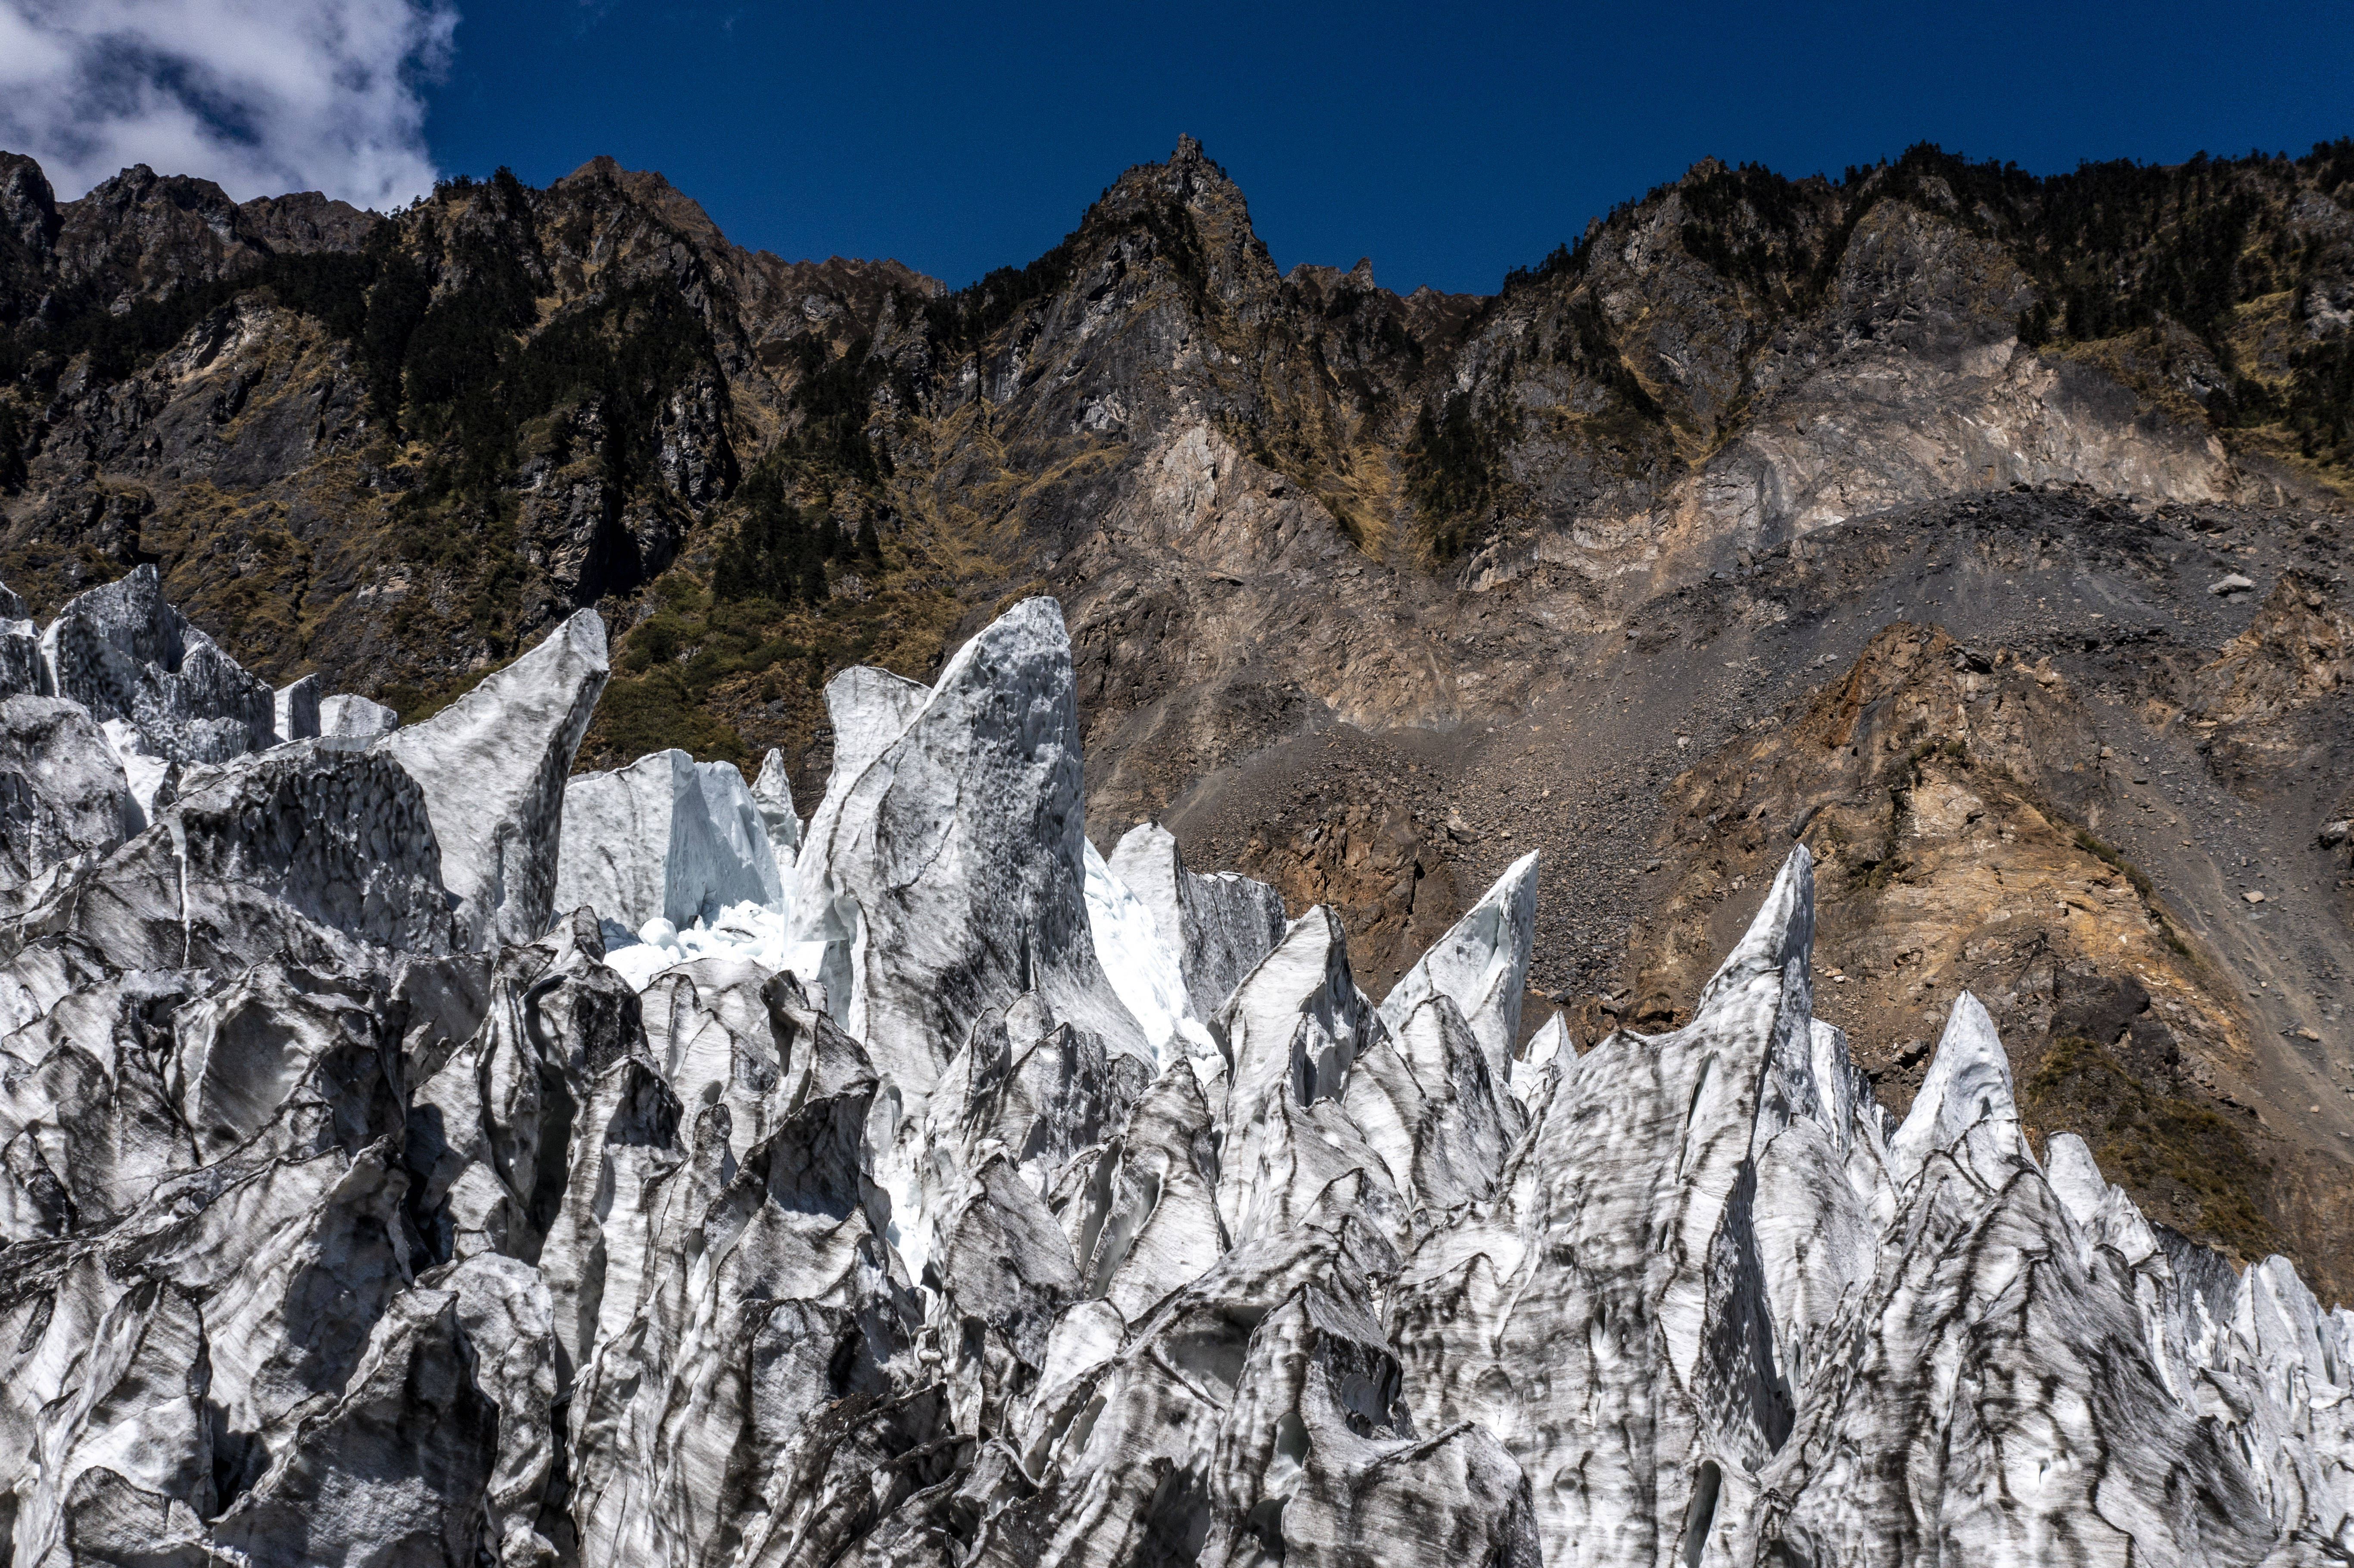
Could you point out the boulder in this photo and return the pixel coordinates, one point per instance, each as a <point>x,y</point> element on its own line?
<point>346,715</point>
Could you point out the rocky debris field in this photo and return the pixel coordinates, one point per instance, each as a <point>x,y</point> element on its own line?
<point>2154,741</point>
<point>965,1195</point>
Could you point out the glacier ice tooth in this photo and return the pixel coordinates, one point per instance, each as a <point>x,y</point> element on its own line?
<point>491,766</point>
<point>294,710</point>
<point>772,791</point>
<point>1965,1106</point>
<point>64,792</point>
<point>1145,968</point>
<point>344,714</point>
<point>667,839</point>
<point>1483,963</point>
<point>974,905</point>
<point>122,653</point>
<point>1219,926</point>
<point>614,1243</point>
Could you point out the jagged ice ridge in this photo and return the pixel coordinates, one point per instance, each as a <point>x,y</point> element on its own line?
<point>410,1155</point>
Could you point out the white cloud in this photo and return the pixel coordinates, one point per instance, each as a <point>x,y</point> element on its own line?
<point>260,95</point>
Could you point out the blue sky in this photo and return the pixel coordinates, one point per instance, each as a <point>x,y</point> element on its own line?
<point>1447,143</point>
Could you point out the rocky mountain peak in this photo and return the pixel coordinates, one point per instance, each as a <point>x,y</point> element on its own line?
<point>139,235</point>
<point>1198,219</point>
<point>651,190</point>
<point>28,207</point>
<point>306,222</point>
<point>1701,173</point>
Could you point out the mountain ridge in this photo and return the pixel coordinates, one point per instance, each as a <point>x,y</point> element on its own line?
<point>1327,555</point>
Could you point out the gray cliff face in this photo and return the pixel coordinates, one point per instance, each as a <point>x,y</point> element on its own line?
<point>1906,381</point>
<point>336,1227</point>
<point>139,236</point>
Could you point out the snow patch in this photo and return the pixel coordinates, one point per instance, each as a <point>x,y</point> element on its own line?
<point>754,933</point>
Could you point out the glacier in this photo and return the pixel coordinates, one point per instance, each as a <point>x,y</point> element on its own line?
<point>413,1152</point>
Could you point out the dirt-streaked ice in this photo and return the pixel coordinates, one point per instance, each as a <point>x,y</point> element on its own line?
<point>959,1195</point>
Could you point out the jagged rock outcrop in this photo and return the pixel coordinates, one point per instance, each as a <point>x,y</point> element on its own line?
<point>1732,360</point>
<point>2295,652</point>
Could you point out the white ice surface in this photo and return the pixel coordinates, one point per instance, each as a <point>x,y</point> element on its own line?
<point>140,766</point>
<point>667,836</point>
<point>1141,965</point>
<point>753,932</point>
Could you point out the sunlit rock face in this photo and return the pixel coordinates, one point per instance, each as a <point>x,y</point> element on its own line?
<point>922,1187</point>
